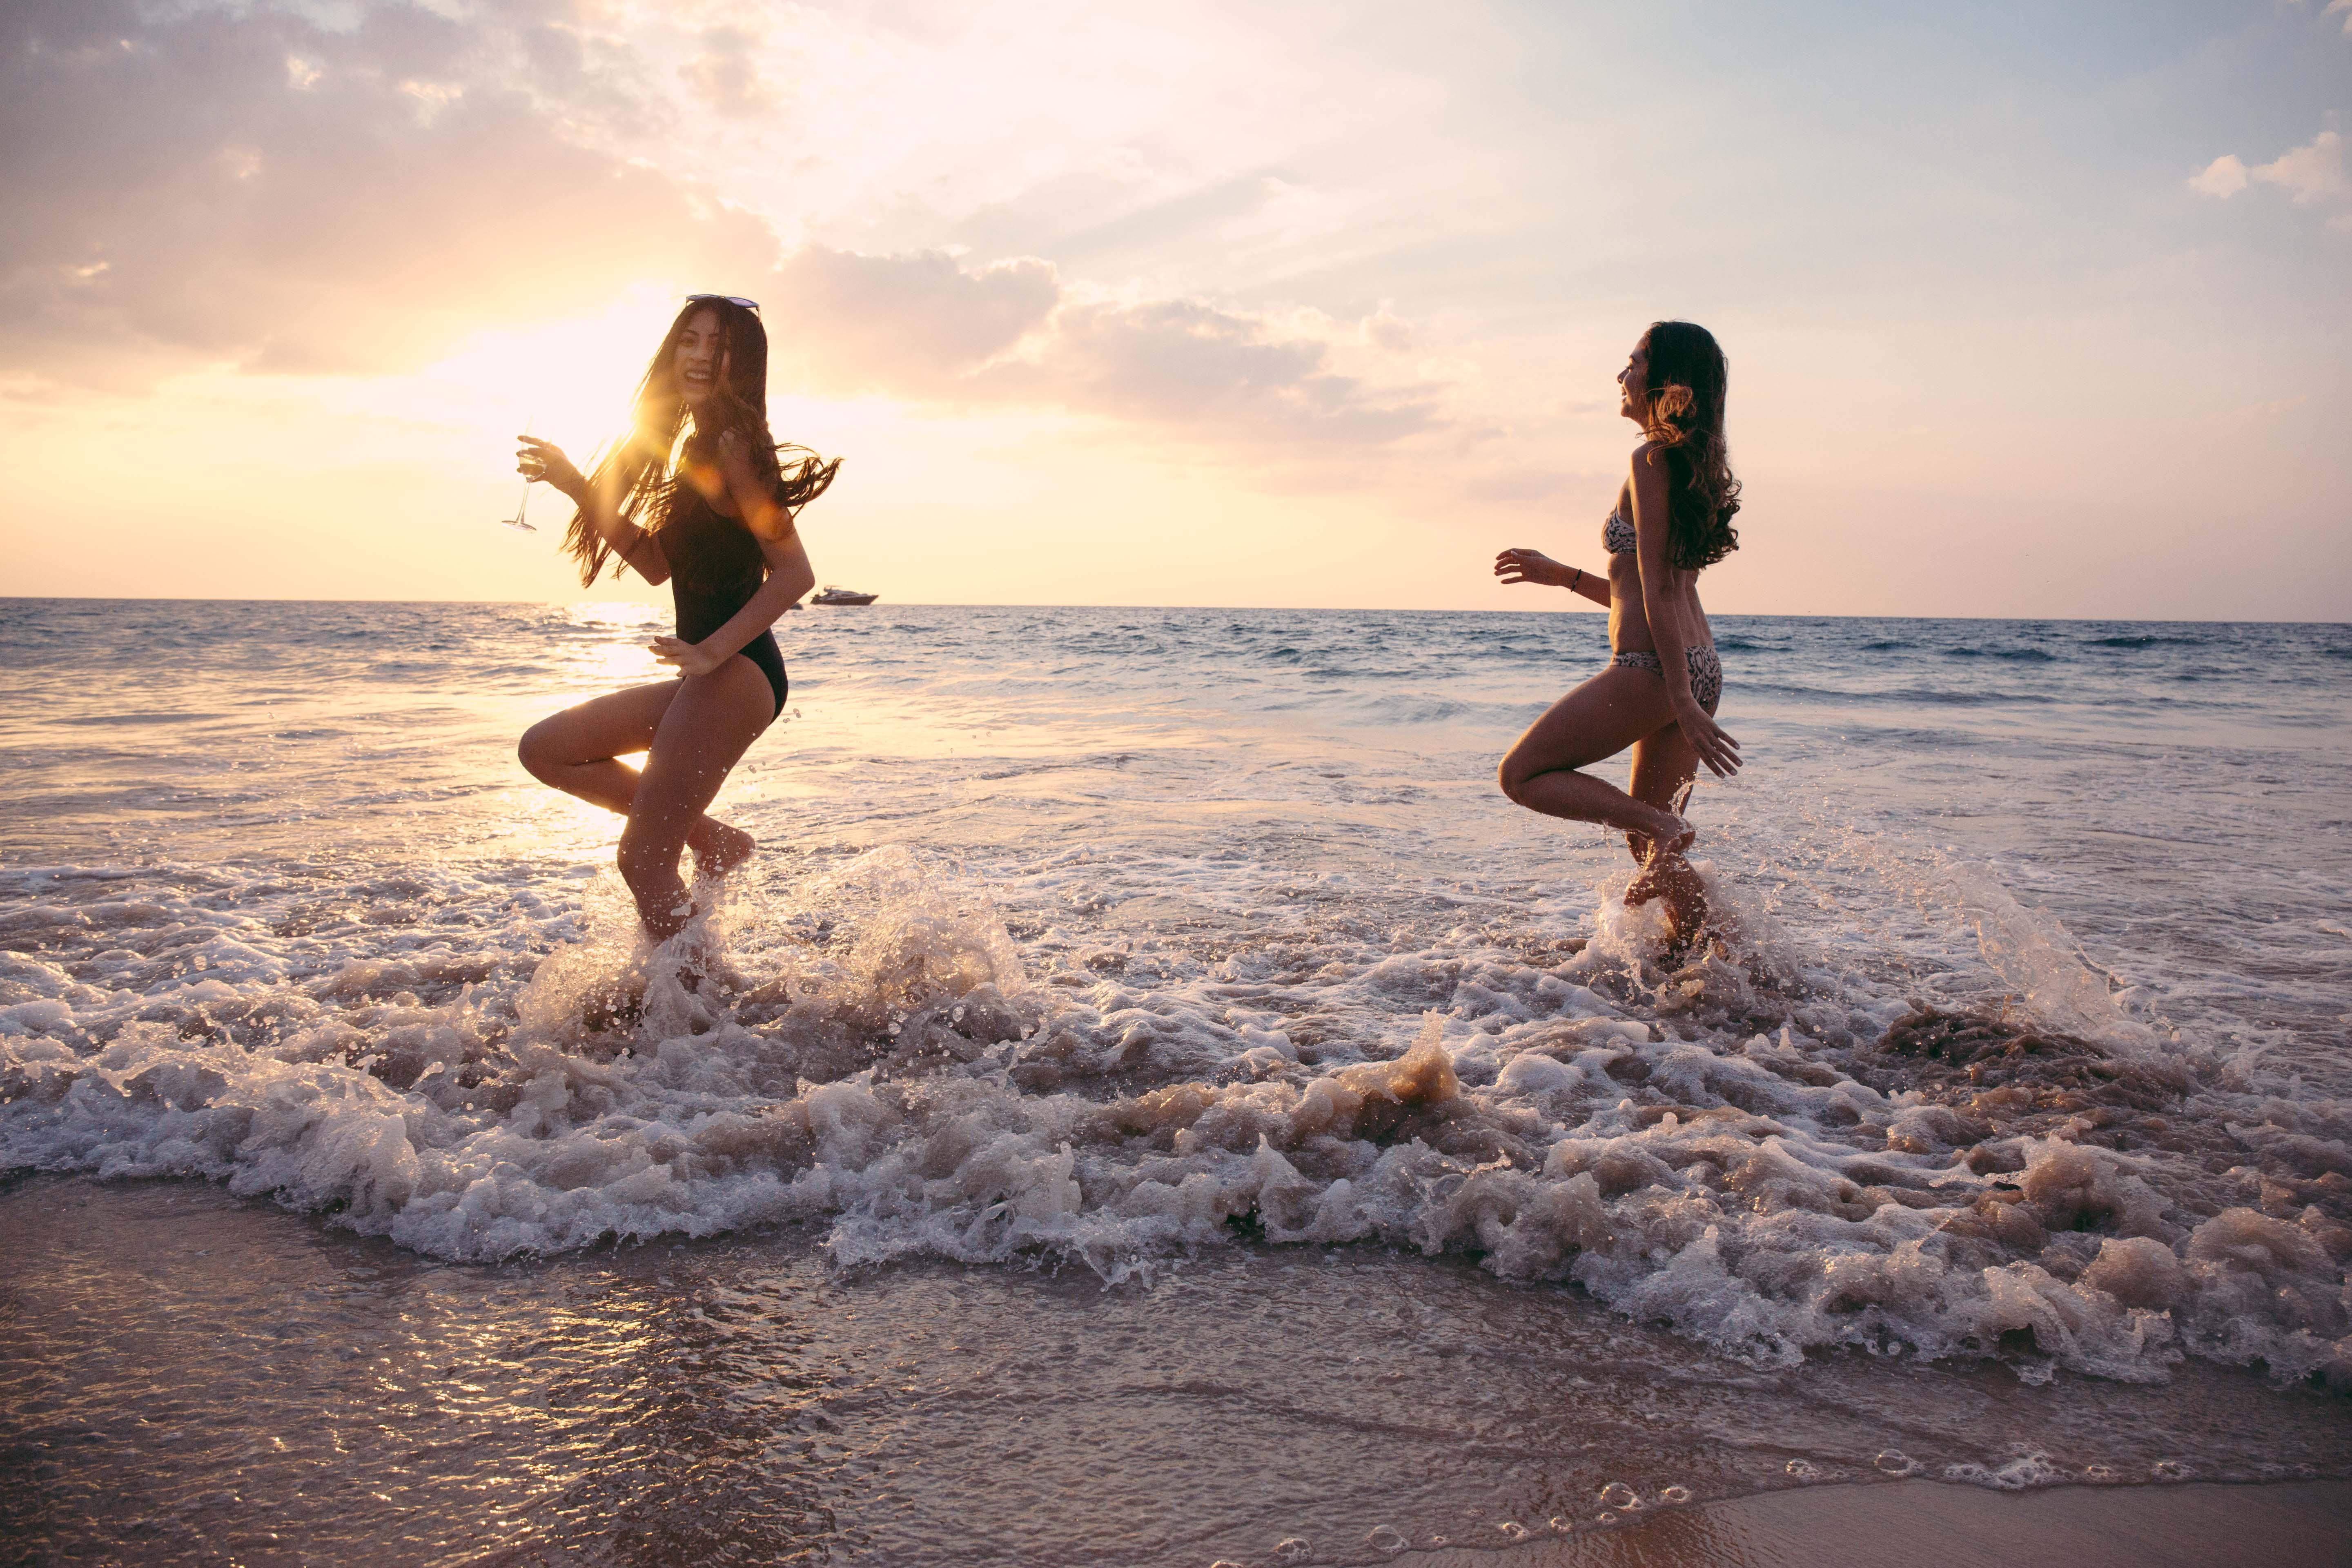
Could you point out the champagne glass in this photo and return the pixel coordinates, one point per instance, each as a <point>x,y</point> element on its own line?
<point>516,521</point>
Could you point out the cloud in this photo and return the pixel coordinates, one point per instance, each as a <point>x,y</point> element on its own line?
<point>911,323</point>
<point>1012,333</point>
<point>252,188</point>
<point>1187,363</point>
<point>2313,174</point>
<point>726,75</point>
<point>2331,9</point>
<point>2225,177</point>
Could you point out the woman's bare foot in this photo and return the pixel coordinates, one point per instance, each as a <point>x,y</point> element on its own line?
<point>718,848</point>
<point>1667,876</point>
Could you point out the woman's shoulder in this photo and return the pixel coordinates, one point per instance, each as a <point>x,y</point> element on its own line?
<point>1647,466</point>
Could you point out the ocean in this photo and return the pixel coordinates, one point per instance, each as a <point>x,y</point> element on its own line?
<point>1152,1099</point>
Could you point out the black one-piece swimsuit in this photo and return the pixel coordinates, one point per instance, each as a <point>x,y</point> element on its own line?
<point>715,567</point>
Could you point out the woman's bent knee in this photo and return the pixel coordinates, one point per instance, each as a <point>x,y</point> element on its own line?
<point>537,752</point>
<point>1512,774</point>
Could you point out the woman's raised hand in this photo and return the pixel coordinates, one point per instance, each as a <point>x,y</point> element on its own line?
<point>1716,748</point>
<point>544,460</point>
<point>1531,567</point>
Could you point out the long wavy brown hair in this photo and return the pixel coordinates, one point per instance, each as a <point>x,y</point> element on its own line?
<point>1685,382</point>
<point>665,437</point>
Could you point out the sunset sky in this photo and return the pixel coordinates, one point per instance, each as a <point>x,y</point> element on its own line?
<point>2032,309</point>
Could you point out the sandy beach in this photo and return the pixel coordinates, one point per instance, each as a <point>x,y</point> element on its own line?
<point>190,1377</point>
<point>2306,1524</point>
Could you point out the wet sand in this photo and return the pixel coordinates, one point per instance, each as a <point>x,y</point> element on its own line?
<point>1928,1524</point>
<point>190,1377</point>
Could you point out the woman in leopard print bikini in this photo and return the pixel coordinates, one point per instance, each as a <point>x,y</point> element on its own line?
<point>1658,694</point>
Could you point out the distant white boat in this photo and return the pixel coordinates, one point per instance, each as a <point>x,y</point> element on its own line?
<point>832,595</point>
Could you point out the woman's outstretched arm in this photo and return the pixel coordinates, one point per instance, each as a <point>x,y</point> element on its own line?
<point>1652,509</point>
<point>1535,567</point>
<point>600,503</point>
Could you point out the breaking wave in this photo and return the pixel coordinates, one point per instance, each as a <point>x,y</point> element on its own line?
<point>1771,1148</point>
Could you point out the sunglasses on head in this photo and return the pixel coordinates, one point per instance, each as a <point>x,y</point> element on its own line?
<point>730,299</point>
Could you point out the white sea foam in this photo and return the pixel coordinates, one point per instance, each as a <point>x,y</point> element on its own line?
<point>1720,1148</point>
<point>1218,929</point>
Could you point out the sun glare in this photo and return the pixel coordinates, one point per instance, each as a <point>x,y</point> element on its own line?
<point>569,381</point>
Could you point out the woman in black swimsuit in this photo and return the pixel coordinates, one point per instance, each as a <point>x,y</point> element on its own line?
<point>1658,694</point>
<point>722,505</point>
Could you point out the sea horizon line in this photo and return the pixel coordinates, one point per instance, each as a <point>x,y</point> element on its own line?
<point>1228,609</point>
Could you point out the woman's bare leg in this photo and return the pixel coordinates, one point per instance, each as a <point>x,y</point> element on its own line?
<point>707,726</point>
<point>574,750</point>
<point>1614,710</point>
<point>1598,720</point>
<point>1665,764</point>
